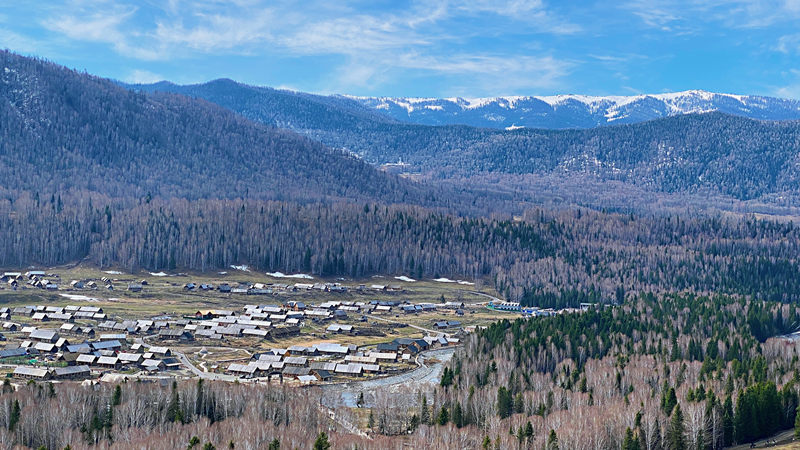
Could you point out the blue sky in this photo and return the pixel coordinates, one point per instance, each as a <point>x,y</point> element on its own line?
<point>424,48</point>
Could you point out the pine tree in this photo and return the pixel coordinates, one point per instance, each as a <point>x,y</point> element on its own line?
<point>116,398</point>
<point>413,422</point>
<point>15,415</point>
<point>743,420</point>
<point>199,403</point>
<point>424,413</point>
<point>505,402</point>
<point>552,441</point>
<point>322,442</point>
<point>275,445</point>
<point>174,413</point>
<point>797,426</point>
<point>669,400</point>
<point>447,378</point>
<point>444,416</point>
<point>458,415</point>
<point>727,421</point>
<point>675,437</point>
<point>628,441</point>
<point>519,404</point>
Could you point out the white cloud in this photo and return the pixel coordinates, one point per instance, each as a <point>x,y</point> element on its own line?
<point>469,74</point>
<point>102,23</point>
<point>791,90</point>
<point>315,26</point>
<point>652,14</point>
<point>789,43</point>
<point>678,15</point>
<point>19,43</point>
<point>419,37</point>
<point>534,12</point>
<point>217,32</point>
<point>139,76</point>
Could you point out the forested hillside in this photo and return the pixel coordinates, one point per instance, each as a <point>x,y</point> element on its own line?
<point>546,259</point>
<point>715,153</point>
<point>164,182</point>
<point>660,372</point>
<point>64,130</point>
<point>279,108</point>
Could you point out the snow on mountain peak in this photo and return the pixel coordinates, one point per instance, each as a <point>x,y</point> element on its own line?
<point>576,110</point>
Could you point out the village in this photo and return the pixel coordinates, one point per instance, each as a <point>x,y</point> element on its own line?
<point>303,333</point>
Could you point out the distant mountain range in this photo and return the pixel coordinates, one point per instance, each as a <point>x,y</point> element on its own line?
<point>575,111</point>
<point>509,113</point>
<point>64,130</point>
<point>714,153</point>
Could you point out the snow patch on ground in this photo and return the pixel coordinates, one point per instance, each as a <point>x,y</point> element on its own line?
<point>243,268</point>
<point>158,274</point>
<point>296,275</point>
<point>81,298</point>
<point>405,278</point>
<point>448,280</point>
<point>112,272</point>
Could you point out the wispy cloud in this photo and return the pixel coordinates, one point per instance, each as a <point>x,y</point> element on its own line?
<point>372,43</point>
<point>672,15</point>
<point>792,89</point>
<point>789,43</point>
<point>534,12</point>
<point>101,22</point>
<point>471,74</point>
<point>314,26</point>
<point>19,43</point>
<point>139,76</point>
<point>653,14</point>
<point>216,32</point>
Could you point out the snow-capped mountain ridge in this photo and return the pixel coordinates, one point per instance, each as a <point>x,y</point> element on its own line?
<point>575,110</point>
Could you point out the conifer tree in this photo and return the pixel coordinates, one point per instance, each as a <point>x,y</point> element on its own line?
<point>322,442</point>
<point>15,415</point>
<point>552,441</point>
<point>675,433</point>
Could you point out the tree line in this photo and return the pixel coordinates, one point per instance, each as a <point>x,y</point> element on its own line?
<point>543,258</point>
<point>675,372</point>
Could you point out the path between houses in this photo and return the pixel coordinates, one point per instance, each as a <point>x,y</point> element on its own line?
<point>433,332</point>
<point>186,362</point>
<point>427,372</point>
<point>490,297</point>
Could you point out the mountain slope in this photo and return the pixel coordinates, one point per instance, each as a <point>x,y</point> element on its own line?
<point>711,153</point>
<point>308,111</point>
<point>576,111</point>
<point>66,130</point>
<point>280,108</point>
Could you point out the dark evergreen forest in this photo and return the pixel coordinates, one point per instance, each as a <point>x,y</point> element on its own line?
<point>549,259</point>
